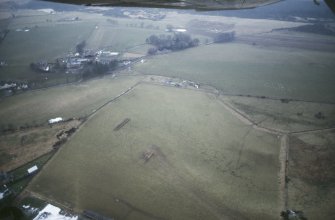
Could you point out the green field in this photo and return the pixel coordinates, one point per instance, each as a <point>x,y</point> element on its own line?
<point>75,100</point>
<point>291,116</point>
<point>206,163</point>
<point>243,69</point>
<point>118,38</point>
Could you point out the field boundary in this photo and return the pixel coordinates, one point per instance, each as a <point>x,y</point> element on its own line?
<point>282,175</point>
<point>238,113</point>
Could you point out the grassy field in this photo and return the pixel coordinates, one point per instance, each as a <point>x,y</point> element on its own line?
<point>118,38</point>
<point>242,25</point>
<point>75,100</point>
<point>279,73</point>
<point>292,116</point>
<point>206,164</point>
<point>311,173</point>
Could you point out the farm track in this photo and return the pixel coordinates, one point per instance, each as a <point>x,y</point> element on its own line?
<point>283,159</point>
<point>106,103</point>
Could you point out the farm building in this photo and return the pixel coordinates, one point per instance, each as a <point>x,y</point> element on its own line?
<point>5,178</point>
<point>55,120</point>
<point>32,169</point>
<point>4,192</point>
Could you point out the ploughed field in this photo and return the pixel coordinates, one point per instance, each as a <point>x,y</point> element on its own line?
<point>166,153</point>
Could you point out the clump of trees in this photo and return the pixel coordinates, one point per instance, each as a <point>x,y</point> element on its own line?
<point>80,47</point>
<point>293,214</point>
<point>98,69</point>
<point>3,34</point>
<point>41,66</point>
<point>224,37</point>
<point>169,28</point>
<point>178,41</point>
<point>319,115</point>
<point>112,21</point>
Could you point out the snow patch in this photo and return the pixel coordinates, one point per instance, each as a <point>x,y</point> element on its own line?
<point>179,30</point>
<point>51,212</point>
<point>47,10</point>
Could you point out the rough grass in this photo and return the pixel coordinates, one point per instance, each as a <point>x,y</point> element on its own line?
<point>311,172</point>
<point>291,116</point>
<point>206,163</point>
<point>24,146</point>
<point>75,100</point>
<point>244,69</point>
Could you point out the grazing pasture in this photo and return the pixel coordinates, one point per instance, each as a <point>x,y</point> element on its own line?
<point>180,155</point>
<point>285,115</point>
<point>311,174</point>
<point>279,72</point>
<point>68,101</point>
